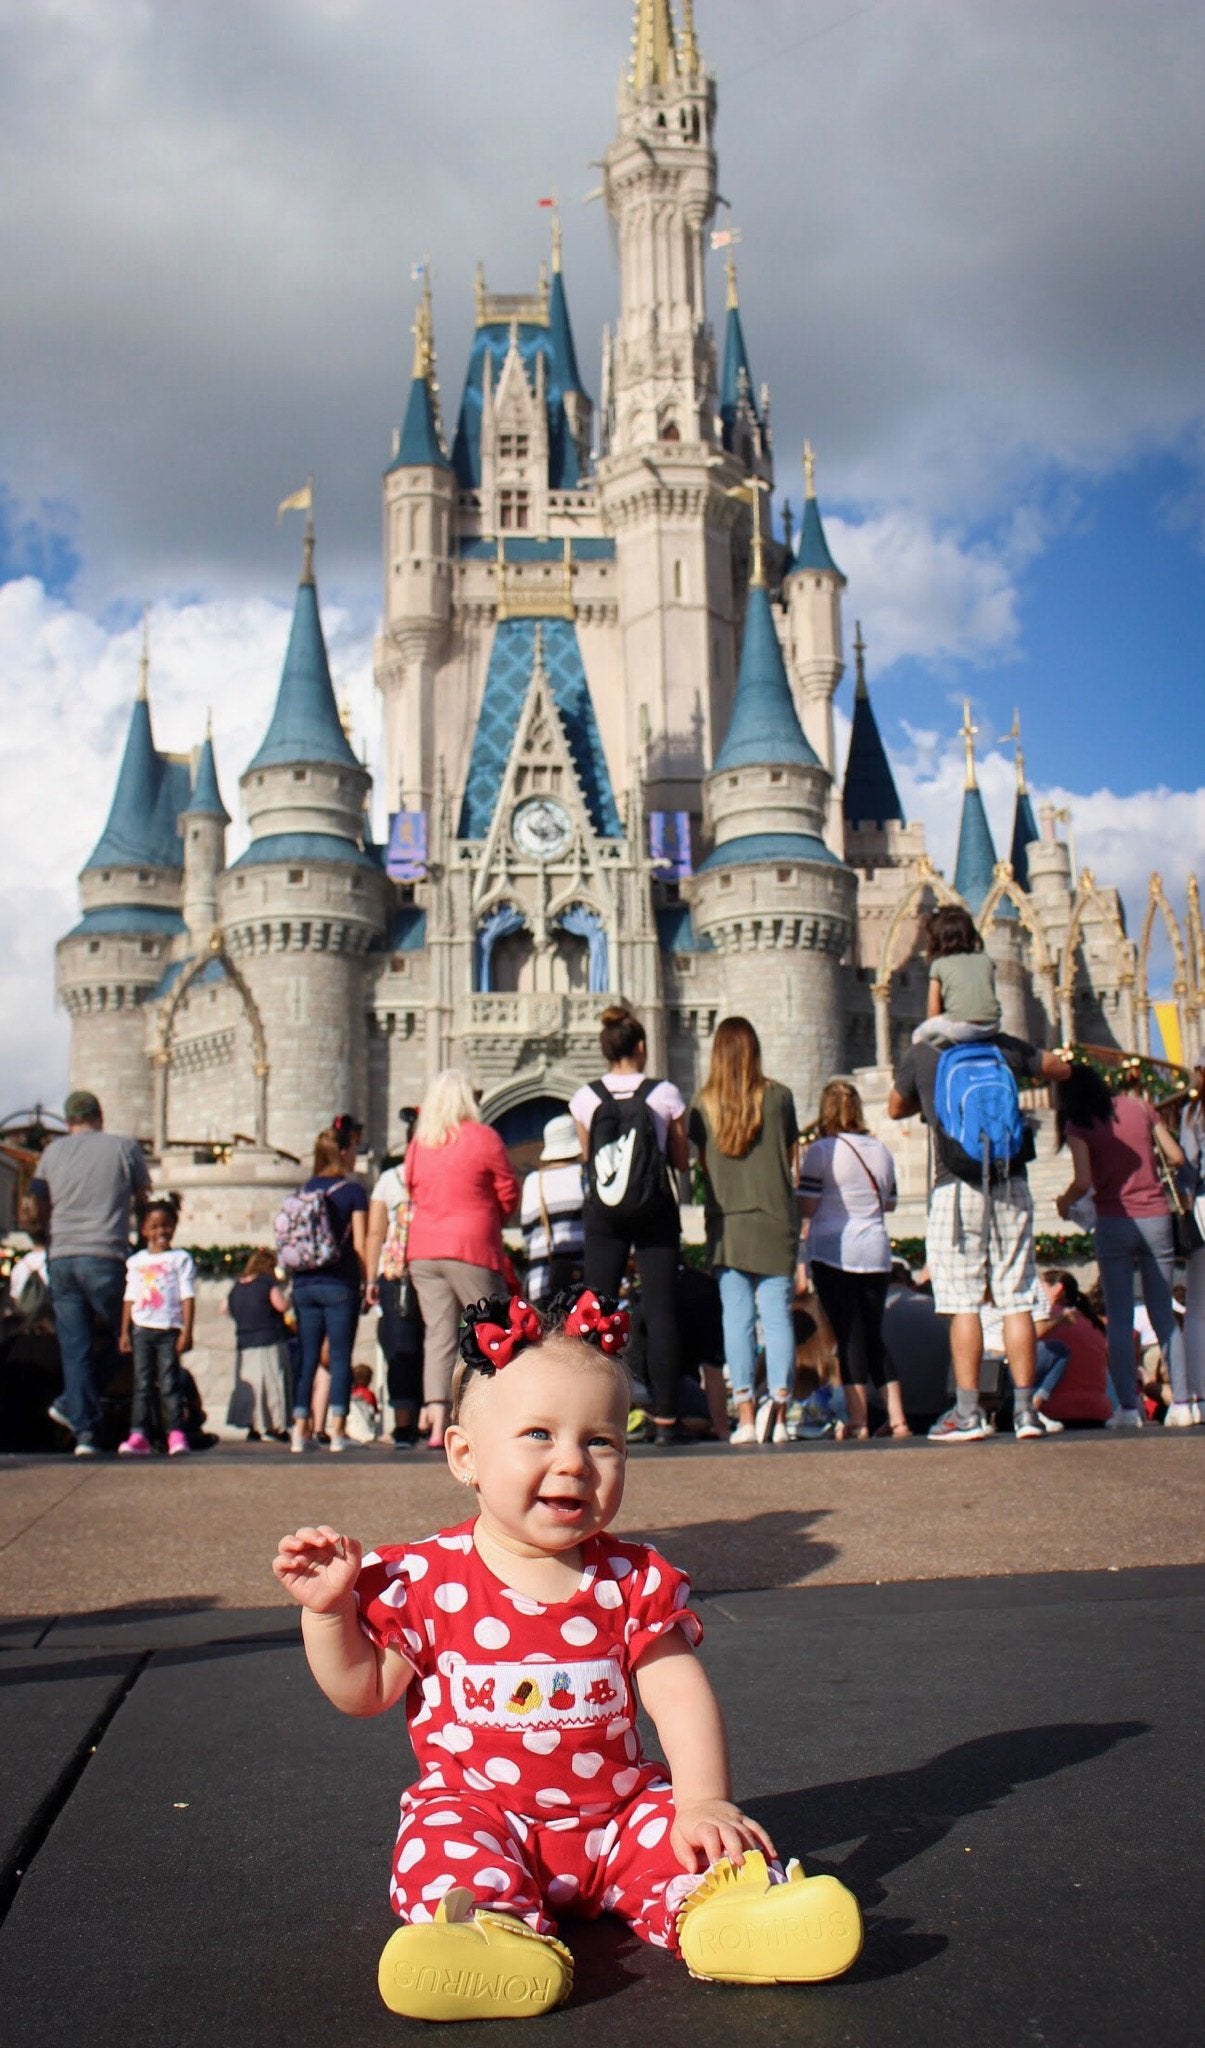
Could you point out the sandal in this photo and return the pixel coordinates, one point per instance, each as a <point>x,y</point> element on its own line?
<point>893,1429</point>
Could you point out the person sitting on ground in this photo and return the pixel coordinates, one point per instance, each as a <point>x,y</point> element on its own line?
<point>962,1004</point>
<point>744,1130</point>
<point>259,1401</point>
<point>1073,1354</point>
<point>520,1641</point>
<point>702,1392</point>
<point>156,1325</point>
<point>550,1213</point>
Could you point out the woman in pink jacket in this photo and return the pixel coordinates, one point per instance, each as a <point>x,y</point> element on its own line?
<point>462,1190</point>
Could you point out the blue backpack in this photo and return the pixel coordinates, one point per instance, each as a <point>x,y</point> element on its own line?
<point>978,1112</point>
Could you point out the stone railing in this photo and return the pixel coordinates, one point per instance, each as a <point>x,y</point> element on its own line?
<point>534,1014</point>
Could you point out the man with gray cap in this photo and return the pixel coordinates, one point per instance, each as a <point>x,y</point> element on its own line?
<point>84,1186</point>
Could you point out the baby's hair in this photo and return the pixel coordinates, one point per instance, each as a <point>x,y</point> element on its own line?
<point>571,1325</point>
<point>362,1375</point>
<point>951,929</point>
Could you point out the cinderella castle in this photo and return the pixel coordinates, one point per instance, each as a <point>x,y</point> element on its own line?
<point>607,692</point>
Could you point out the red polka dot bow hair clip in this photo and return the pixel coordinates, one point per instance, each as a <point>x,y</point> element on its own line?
<point>495,1332</point>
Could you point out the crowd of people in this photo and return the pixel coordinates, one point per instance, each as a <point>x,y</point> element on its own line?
<point>797,1321</point>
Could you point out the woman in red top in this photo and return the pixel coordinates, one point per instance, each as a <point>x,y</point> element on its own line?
<point>1113,1140</point>
<point>462,1190</point>
<point>1075,1386</point>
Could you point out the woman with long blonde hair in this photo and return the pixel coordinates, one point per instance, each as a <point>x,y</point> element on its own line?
<point>744,1129</point>
<point>462,1189</point>
<point>848,1185</point>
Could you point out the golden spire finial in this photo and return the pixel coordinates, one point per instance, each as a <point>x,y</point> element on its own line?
<point>345,716</point>
<point>968,732</point>
<point>653,57</point>
<point>307,545</point>
<point>479,293</point>
<point>1014,734</point>
<point>751,491</point>
<point>555,204</point>
<point>209,721</point>
<point>144,659</point>
<point>689,55</point>
<point>860,689</point>
<point>809,471</point>
<point>423,329</point>
<point>733,300</point>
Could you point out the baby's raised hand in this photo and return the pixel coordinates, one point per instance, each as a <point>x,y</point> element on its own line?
<point>707,1829</point>
<point>319,1567</point>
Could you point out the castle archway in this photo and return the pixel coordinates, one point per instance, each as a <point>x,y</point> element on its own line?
<point>926,882</point>
<point>1158,905</point>
<point>1088,898</point>
<point>192,973</point>
<point>1006,889</point>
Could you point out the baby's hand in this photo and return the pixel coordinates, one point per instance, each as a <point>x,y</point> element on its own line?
<point>707,1829</point>
<point>318,1566</point>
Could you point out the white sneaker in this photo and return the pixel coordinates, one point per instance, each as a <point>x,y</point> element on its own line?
<point>1179,1416</point>
<point>782,1434</point>
<point>764,1425</point>
<point>1198,1409</point>
<point>744,1433</point>
<point>300,1439</point>
<point>1124,1418</point>
<point>1036,1424</point>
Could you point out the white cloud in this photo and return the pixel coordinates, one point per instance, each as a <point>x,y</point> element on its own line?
<point>70,686</point>
<point>924,592</point>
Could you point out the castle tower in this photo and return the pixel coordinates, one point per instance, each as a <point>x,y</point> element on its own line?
<point>664,493</point>
<point>974,873</point>
<point>301,908</point>
<point>203,830</point>
<point>812,589</point>
<point>419,500</point>
<point>770,896</point>
<point>111,963</point>
<point>743,430</point>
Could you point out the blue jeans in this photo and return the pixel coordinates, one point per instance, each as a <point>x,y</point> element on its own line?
<point>86,1295</point>
<point>158,1380</point>
<point>1146,1241</point>
<point>770,1295</point>
<point>1052,1364</point>
<point>326,1307</point>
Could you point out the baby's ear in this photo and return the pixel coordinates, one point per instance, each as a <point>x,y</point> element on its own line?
<point>459,1453</point>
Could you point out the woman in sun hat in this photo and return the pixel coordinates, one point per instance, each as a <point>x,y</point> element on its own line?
<point>551,1213</point>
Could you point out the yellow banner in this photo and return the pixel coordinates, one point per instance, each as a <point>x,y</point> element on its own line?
<point>1167,1017</point>
<point>300,501</point>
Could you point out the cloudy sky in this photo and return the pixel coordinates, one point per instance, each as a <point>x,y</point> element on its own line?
<point>971,271</point>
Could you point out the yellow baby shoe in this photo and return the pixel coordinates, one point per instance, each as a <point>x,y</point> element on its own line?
<point>470,1964</point>
<point>741,1928</point>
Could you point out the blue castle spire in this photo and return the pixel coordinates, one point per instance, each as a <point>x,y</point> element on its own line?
<point>976,860</point>
<point>736,378</point>
<point>420,444</point>
<point>152,789</point>
<point>305,721</point>
<point>870,796</point>
<point>206,798</point>
<point>1025,827</point>
<point>813,550</point>
<point>562,354</point>
<point>765,724</point>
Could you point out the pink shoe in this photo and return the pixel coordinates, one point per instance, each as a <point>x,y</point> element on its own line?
<point>135,1446</point>
<point>177,1443</point>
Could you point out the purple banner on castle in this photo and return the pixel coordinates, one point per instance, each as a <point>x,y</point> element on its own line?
<point>669,844</point>
<point>406,860</point>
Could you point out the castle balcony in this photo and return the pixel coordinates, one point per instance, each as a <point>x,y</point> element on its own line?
<point>531,1013</point>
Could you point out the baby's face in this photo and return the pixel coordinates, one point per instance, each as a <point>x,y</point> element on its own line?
<point>545,1441</point>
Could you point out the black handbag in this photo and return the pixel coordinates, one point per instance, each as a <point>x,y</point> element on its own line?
<point>1186,1231</point>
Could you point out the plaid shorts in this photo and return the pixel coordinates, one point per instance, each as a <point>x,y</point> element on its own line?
<point>962,1266</point>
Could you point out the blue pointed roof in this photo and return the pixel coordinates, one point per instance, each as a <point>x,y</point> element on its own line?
<point>736,381</point>
<point>1025,831</point>
<point>206,798</point>
<point>813,552</point>
<point>976,852</point>
<point>560,336</point>
<point>152,789</point>
<point>507,681</point>
<point>419,444</point>
<point>305,721</point>
<point>493,339</point>
<point>870,796</point>
<point>765,724</point>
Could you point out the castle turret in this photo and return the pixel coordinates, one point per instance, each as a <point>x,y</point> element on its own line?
<point>812,589</point>
<point>420,496</point>
<point>203,830</point>
<point>742,427</point>
<point>869,801</point>
<point>770,890</point>
<point>304,904</point>
<point>1025,825</point>
<point>110,964</point>
<point>974,874</point>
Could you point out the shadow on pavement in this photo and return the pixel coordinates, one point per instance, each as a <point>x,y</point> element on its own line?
<point>754,1555</point>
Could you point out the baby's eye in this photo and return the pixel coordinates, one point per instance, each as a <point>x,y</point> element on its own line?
<point>540,1435</point>
<point>606,1443</point>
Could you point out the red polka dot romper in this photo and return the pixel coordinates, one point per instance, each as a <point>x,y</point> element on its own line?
<point>533,1792</point>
